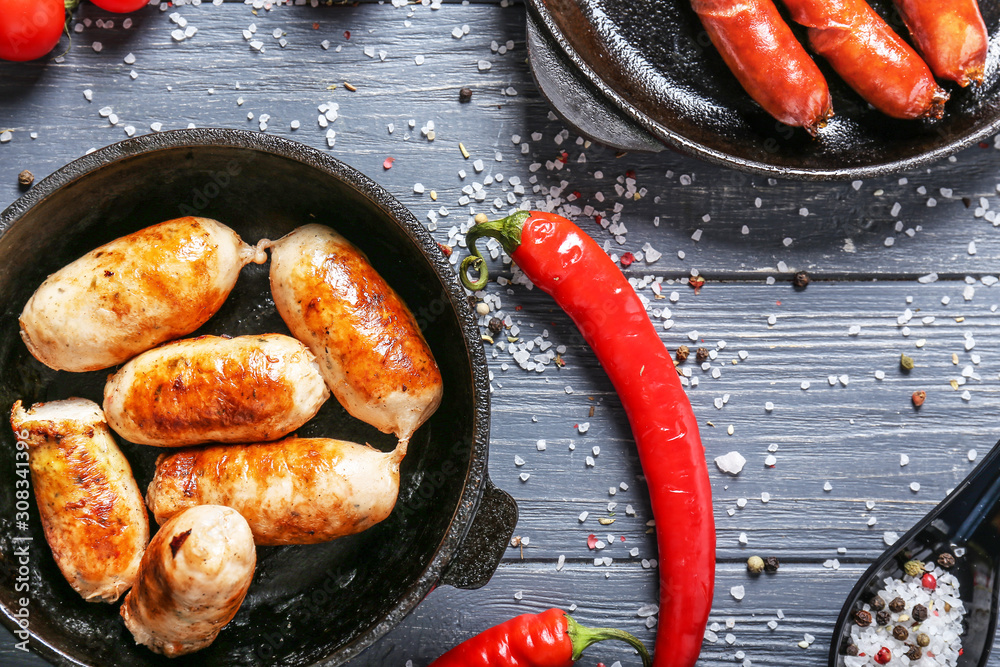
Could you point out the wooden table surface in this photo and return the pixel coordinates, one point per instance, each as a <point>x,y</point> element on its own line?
<point>865,244</point>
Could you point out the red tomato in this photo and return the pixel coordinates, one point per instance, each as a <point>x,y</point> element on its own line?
<point>30,28</point>
<point>121,6</point>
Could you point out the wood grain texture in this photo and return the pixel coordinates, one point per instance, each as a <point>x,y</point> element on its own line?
<point>851,436</point>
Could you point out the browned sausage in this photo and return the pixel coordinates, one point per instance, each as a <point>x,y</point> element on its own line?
<point>215,389</point>
<point>192,580</point>
<point>371,351</point>
<point>770,64</point>
<point>870,57</point>
<point>294,491</point>
<point>92,511</point>
<point>154,285</point>
<point>951,36</point>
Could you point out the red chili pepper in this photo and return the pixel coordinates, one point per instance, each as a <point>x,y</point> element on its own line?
<point>564,262</point>
<point>549,639</point>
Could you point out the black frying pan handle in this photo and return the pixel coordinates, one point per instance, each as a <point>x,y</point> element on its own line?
<point>479,554</point>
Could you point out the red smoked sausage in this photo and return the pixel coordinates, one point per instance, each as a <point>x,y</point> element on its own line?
<point>870,57</point>
<point>951,36</point>
<point>770,64</point>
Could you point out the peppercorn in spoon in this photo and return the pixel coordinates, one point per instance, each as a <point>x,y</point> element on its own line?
<point>957,545</point>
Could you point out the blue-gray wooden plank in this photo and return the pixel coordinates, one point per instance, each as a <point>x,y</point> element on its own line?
<point>851,436</point>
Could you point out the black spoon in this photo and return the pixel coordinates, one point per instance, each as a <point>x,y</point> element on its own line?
<point>965,524</point>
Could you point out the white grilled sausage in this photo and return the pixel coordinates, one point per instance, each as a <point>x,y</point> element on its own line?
<point>371,351</point>
<point>294,491</point>
<point>133,293</point>
<point>215,389</point>
<point>92,510</point>
<point>192,580</point>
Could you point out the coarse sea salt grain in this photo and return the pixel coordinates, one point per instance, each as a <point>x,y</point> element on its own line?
<point>731,463</point>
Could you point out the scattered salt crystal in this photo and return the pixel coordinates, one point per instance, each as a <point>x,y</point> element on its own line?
<point>972,454</point>
<point>647,610</point>
<point>769,406</point>
<point>731,463</point>
<point>561,562</point>
<point>583,516</point>
<point>737,592</point>
<point>765,497</point>
<point>524,476</point>
<point>518,461</point>
<point>914,486</point>
<point>770,461</point>
<point>827,486</point>
<point>904,459</point>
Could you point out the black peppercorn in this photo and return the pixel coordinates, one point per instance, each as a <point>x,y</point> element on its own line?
<point>25,179</point>
<point>682,353</point>
<point>495,326</point>
<point>876,603</point>
<point>771,564</point>
<point>900,633</point>
<point>465,95</point>
<point>919,613</point>
<point>914,653</point>
<point>801,280</point>
<point>883,617</point>
<point>946,560</point>
<point>701,355</point>
<point>852,649</point>
<point>897,605</point>
<point>862,618</point>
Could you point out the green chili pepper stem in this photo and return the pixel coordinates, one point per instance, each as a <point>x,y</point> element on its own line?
<point>582,637</point>
<point>506,230</point>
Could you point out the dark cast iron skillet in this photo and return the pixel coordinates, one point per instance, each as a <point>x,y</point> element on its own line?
<point>642,75</point>
<point>307,604</point>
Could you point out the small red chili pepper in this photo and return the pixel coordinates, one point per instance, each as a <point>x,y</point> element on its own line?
<point>627,259</point>
<point>591,541</point>
<point>347,34</point>
<point>883,656</point>
<point>564,262</point>
<point>388,163</point>
<point>549,639</point>
<point>928,581</point>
